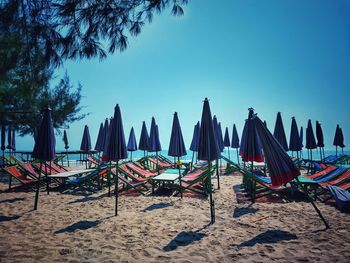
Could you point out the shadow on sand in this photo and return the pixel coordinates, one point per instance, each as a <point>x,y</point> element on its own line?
<point>8,218</point>
<point>269,237</point>
<point>240,211</point>
<point>81,225</point>
<point>184,238</point>
<point>157,206</point>
<point>12,200</point>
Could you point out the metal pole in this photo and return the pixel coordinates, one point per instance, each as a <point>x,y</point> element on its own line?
<point>109,178</point>
<point>47,178</point>
<point>178,166</point>
<point>217,172</point>
<point>211,201</point>
<point>116,189</point>
<point>37,188</point>
<point>237,156</point>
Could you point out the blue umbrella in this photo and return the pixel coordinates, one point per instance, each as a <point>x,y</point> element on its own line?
<point>195,141</point>
<point>235,141</point>
<point>281,168</point>
<point>154,143</point>
<point>217,136</point>
<point>132,145</point>
<point>310,139</point>
<point>208,148</point>
<point>3,139</point>
<point>250,149</point>
<point>220,138</point>
<point>294,140</point>
<point>98,145</point>
<point>177,146</point>
<point>105,135</point>
<point>9,138</point>
<point>227,142</point>
<point>342,145</point>
<point>44,148</point>
<point>279,133</point>
<point>85,145</point>
<point>320,139</point>
<point>116,149</point>
<point>144,139</point>
<point>13,141</point>
<point>301,134</point>
<point>66,146</point>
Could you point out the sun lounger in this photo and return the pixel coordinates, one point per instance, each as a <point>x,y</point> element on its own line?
<point>139,171</point>
<point>18,175</point>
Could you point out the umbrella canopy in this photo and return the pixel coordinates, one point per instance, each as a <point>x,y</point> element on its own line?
<point>220,138</point>
<point>235,138</point>
<point>281,168</point>
<point>98,145</point>
<point>310,137</point>
<point>132,145</point>
<point>216,132</point>
<point>13,142</point>
<point>319,135</point>
<point>227,142</point>
<point>86,141</point>
<point>337,136</point>
<point>105,135</point>
<point>144,138</point>
<point>301,134</point>
<point>251,149</point>
<point>3,137</point>
<point>279,133</point>
<point>176,146</point>
<point>65,140</point>
<point>195,138</point>
<point>116,147</point>
<point>208,148</point>
<point>294,140</point>
<point>342,145</point>
<point>44,148</point>
<point>265,124</point>
<point>9,138</point>
<point>154,143</point>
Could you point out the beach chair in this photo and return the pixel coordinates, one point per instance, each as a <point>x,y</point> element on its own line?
<point>90,181</point>
<point>93,162</point>
<point>129,181</point>
<point>139,171</point>
<point>161,163</point>
<point>56,167</point>
<point>231,166</point>
<point>17,174</point>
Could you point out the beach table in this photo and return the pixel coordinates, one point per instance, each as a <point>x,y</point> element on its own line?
<point>67,174</point>
<point>164,178</point>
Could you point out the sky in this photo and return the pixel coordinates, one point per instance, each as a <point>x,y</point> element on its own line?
<point>290,56</point>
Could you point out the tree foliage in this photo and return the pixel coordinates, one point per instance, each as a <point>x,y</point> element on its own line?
<point>76,29</point>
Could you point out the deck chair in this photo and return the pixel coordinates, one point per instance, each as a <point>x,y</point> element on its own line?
<point>161,163</point>
<point>139,171</point>
<point>93,161</point>
<point>90,181</point>
<point>341,197</point>
<point>55,167</point>
<point>231,166</point>
<point>328,176</point>
<point>19,176</point>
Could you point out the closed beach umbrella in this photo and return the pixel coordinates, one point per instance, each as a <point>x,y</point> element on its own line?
<point>320,139</point>
<point>66,145</point>
<point>154,143</point>
<point>99,145</point>
<point>44,148</point>
<point>220,138</point>
<point>342,145</point>
<point>310,139</point>
<point>132,145</point>
<point>281,168</point>
<point>3,139</point>
<point>235,141</point>
<point>337,139</point>
<point>105,137</point>
<point>279,133</point>
<point>13,141</point>
<point>9,138</point>
<point>208,148</point>
<point>116,149</point>
<point>294,139</point>
<point>195,140</point>
<point>216,133</point>
<point>144,139</point>
<point>177,146</point>
<point>250,149</point>
<point>85,145</point>
<point>227,142</point>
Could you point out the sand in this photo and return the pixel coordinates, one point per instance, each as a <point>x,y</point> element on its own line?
<point>76,228</point>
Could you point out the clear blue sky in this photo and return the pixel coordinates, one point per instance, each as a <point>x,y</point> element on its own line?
<point>291,56</point>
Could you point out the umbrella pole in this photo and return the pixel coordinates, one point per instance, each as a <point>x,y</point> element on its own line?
<point>144,153</point>
<point>37,188</point>
<point>157,167</point>
<point>116,188</point>
<point>47,178</point>
<point>313,204</point>
<point>228,150</point>
<point>320,154</point>
<point>130,156</point>
<point>237,156</point>
<point>67,157</point>
<point>336,151</point>
<point>323,152</point>
<point>217,172</point>
<point>178,166</point>
<point>109,178</point>
<point>211,201</point>
<point>192,160</point>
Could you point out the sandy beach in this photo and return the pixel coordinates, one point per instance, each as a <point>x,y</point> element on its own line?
<point>76,228</point>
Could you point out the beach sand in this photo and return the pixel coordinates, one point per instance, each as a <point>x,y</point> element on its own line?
<point>76,228</point>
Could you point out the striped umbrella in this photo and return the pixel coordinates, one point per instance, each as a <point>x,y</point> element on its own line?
<point>208,148</point>
<point>279,133</point>
<point>44,148</point>
<point>116,149</point>
<point>177,146</point>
